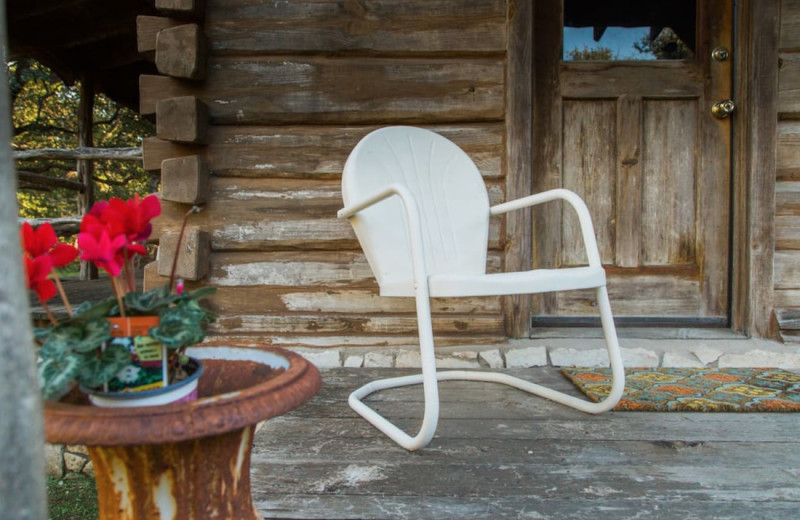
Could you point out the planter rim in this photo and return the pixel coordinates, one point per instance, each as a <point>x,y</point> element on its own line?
<point>144,394</point>
<point>67,423</point>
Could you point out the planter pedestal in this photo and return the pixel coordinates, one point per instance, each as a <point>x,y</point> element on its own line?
<point>186,460</point>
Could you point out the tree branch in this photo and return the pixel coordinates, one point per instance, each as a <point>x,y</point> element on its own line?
<point>46,181</point>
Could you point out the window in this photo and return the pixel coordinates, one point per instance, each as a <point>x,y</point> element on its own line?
<point>629,30</point>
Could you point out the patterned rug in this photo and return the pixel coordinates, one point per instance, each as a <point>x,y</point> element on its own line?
<point>695,389</point>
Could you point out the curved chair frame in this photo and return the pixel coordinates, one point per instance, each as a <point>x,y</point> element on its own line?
<point>429,377</point>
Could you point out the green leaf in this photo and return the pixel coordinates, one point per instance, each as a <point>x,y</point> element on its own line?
<point>76,337</point>
<point>179,327</point>
<point>56,374</point>
<point>150,301</point>
<point>88,310</point>
<point>95,371</point>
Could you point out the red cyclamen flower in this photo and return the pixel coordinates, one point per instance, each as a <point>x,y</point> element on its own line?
<point>98,246</point>
<point>37,271</point>
<point>43,241</point>
<point>133,216</point>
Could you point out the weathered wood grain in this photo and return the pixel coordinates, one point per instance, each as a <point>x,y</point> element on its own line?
<point>669,214</point>
<point>787,232</point>
<point>519,153</point>
<point>789,86</point>
<point>339,506</point>
<point>787,270</point>
<point>259,325</point>
<point>609,79</point>
<point>312,151</point>
<point>788,154</point>
<point>326,270</point>
<point>640,293</point>
<point>441,27</point>
<point>628,233</point>
<point>787,198</point>
<point>265,90</point>
<point>790,26</point>
<point>147,28</point>
<point>589,170</point>
<point>182,52</point>
<point>182,119</point>
<point>499,453</point>
<point>269,214</point>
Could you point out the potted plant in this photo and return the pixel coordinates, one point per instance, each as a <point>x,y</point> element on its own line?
<point>128,349</point>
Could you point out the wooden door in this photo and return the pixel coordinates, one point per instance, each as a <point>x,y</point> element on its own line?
<point>638,141</point>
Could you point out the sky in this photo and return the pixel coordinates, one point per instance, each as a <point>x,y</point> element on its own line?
<point>618,39</point>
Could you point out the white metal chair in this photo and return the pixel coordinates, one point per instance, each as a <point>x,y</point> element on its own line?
<point>420,210</point>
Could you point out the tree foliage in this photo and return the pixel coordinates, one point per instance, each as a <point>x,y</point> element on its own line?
<point>666,46</point>
<point>45,115</point>
<point>598,53</point>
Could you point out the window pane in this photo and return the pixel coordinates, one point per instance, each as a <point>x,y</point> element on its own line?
<point>629,30</point>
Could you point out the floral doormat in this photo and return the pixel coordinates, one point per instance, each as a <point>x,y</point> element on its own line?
<point>695,389</point>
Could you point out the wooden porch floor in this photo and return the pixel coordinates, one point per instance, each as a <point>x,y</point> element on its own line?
<point>500,453</point>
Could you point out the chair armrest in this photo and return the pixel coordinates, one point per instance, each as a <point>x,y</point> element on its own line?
<point>577,203</point>
<point>388,191</point>
<point>414,230</point>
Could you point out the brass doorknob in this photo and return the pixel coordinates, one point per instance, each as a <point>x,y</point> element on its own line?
<point>723,109</point>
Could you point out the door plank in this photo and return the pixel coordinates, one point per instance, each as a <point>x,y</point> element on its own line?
<point>589,171</point>
<point>669,176</point>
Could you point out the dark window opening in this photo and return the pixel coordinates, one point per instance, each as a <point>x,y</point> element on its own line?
<point>629,30</point>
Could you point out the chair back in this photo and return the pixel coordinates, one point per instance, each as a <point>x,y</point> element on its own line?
<point>449,193</point>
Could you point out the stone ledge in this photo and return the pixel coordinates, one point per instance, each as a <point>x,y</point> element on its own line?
<point>561,352</point>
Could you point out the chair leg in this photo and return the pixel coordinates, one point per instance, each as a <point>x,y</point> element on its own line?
<point>429,378</point>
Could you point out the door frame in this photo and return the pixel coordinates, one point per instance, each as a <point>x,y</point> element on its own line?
<point>754,150</point>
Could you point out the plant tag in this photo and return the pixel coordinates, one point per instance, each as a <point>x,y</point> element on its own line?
<point>148,355</point>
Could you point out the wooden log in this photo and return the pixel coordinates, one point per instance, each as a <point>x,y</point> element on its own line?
<point>266,90</point>
<point>234,300</point>
<point>312,271</point>
<point>182,119</point>
<point>185,180</point>
<point>439,27</point>
<point>147,28</point>
<point>788,319</point>
<point>466,326</point>
<point>274,214</point>
<point>787,232</point>
<point>311,151</point>
<point>790,26</point>
<point>182,8</point>
<point>192,255</point>
<point>789,86</point>
<point>787,198</point>
<point>64,226</point>
<point>47,182</point>
<point>787,270</point>
<point>181,52</point>
<point>788,157</point>
<point>89,153</point>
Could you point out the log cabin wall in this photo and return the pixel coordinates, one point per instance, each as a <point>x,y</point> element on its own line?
<point>787,192</point>
<point>258,105</point>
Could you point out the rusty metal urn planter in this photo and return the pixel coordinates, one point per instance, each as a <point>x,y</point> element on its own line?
<point>186,460</point>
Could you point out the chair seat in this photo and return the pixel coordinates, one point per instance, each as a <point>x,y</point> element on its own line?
<point>522,282</point>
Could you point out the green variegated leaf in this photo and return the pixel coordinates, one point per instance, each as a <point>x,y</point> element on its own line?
<point>95,371</point>
<point>151,301</point>
<point>56,374</point>
<point>96,332</point>
<point>101,309</point>
<point>179,327</point>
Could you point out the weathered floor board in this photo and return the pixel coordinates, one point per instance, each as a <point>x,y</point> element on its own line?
<point>500,453</point>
